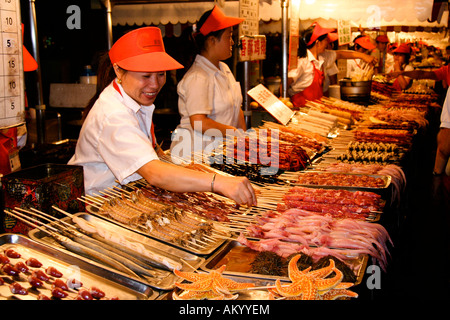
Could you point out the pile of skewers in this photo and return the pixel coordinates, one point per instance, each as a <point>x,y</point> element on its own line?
<point>100,245</point>
<point>135,210</point>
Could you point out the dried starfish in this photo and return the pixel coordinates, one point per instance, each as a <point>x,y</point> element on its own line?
<point>208,285</point>
<point>310,285</point>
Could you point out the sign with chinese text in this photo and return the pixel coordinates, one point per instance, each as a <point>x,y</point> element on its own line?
<point>271,103</point>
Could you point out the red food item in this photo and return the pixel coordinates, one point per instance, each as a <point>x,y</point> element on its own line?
<point>2,282</point>
<point>35,282</point>
<point>33,262</point>
<point>10,253</point>
<point>97,293</point>
<point>40,275</point>
<point>16,288</point>
<point>52,271</point>
<point>59,293</point>
<point>10,270</point>
<point>22,267</point>
<point>84,294</point>
<point>3,259</point>
<point>42,297</point>
<point>74,283</point>
<point>60,284</point>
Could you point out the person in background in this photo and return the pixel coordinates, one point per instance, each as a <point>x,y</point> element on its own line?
<point>210,98</point>
<point>401,63</point>
<point>331,72</point>
<point>380,52</point>
<point>117,141</point>
<point>443,138</point>
<point>389,63</point>
<point>306,81</point>
<point>363,45</point>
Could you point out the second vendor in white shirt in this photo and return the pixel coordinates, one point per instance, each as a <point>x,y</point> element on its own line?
<point>210,98</point>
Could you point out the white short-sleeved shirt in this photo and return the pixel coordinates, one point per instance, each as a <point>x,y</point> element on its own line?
<point>303,75</point>
<point>207,90</point>
<point>115,140</point>
<point>445,114</point>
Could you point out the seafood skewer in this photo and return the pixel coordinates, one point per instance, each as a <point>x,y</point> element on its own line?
<point>123,245</point>
<point>124,258</point>
<point>72,245</point>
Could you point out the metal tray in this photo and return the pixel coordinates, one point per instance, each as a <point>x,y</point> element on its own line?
<point>112,284</point>
<point>200,251</point>
<point>387,181</point>
<point>238,259</point>
<point>188,261</point>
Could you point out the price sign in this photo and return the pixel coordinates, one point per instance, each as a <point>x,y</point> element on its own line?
<point>12,98</point>
<point>271,103</point>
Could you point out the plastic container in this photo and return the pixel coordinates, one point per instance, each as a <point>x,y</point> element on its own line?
<point>88,75</point>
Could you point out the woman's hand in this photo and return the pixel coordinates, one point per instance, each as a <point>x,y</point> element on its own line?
<point>238,189</point>
<point>393,75</point>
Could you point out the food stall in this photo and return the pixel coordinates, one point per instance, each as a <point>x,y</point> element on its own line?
<point>332,182</point>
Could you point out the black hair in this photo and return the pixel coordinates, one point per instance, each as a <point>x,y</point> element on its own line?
<point>105,75</point>
<point>304,40</point>
<point>357,46</point>
<point>194,41</point>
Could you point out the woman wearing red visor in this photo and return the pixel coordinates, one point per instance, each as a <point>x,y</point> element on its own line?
<point>210,98</point>
<point>363,45</point>
<point>117,140</point>
<point>306,82</point>
<point>401,63</point>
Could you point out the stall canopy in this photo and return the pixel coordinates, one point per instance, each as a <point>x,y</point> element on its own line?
<point>382,14</point>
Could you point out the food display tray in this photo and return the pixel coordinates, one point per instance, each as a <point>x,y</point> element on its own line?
<point>238,259</point>
<point>386,179</point>
<point>205,250</point>
<point>187,260</point>
<point>111,283</point>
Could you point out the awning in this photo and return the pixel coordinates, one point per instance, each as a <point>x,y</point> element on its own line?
<point>367,13</point>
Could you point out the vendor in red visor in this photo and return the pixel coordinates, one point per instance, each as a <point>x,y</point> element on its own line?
<point>380,52</point>
<point>306,81</point>
<point>363,45</point>
<point>117,141</point>
<point>209,97</point>
<point>401,63</point>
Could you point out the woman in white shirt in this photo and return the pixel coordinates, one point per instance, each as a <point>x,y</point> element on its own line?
<point>363,45</point>
<point>210,98</point>
<point>307,80</point>
<point>117,141</point>
<point>401,63</point>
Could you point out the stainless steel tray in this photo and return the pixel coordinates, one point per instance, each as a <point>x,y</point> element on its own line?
<point>387,181</point>
<point>111,283</point>
<point>201,250</point>
<point>187,260</point>
<point>238,258</point>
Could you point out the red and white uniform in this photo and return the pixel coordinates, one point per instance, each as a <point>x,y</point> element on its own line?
<point>117,138</point>
<point>309,77</point>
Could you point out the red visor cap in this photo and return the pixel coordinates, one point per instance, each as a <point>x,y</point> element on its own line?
<point>382,38</point>
<point>365,43</point>
<point>217,20</point>
<point>142,50</point>
<point>403,48</point>
<point>318,31</point>
<point>332,36</point>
